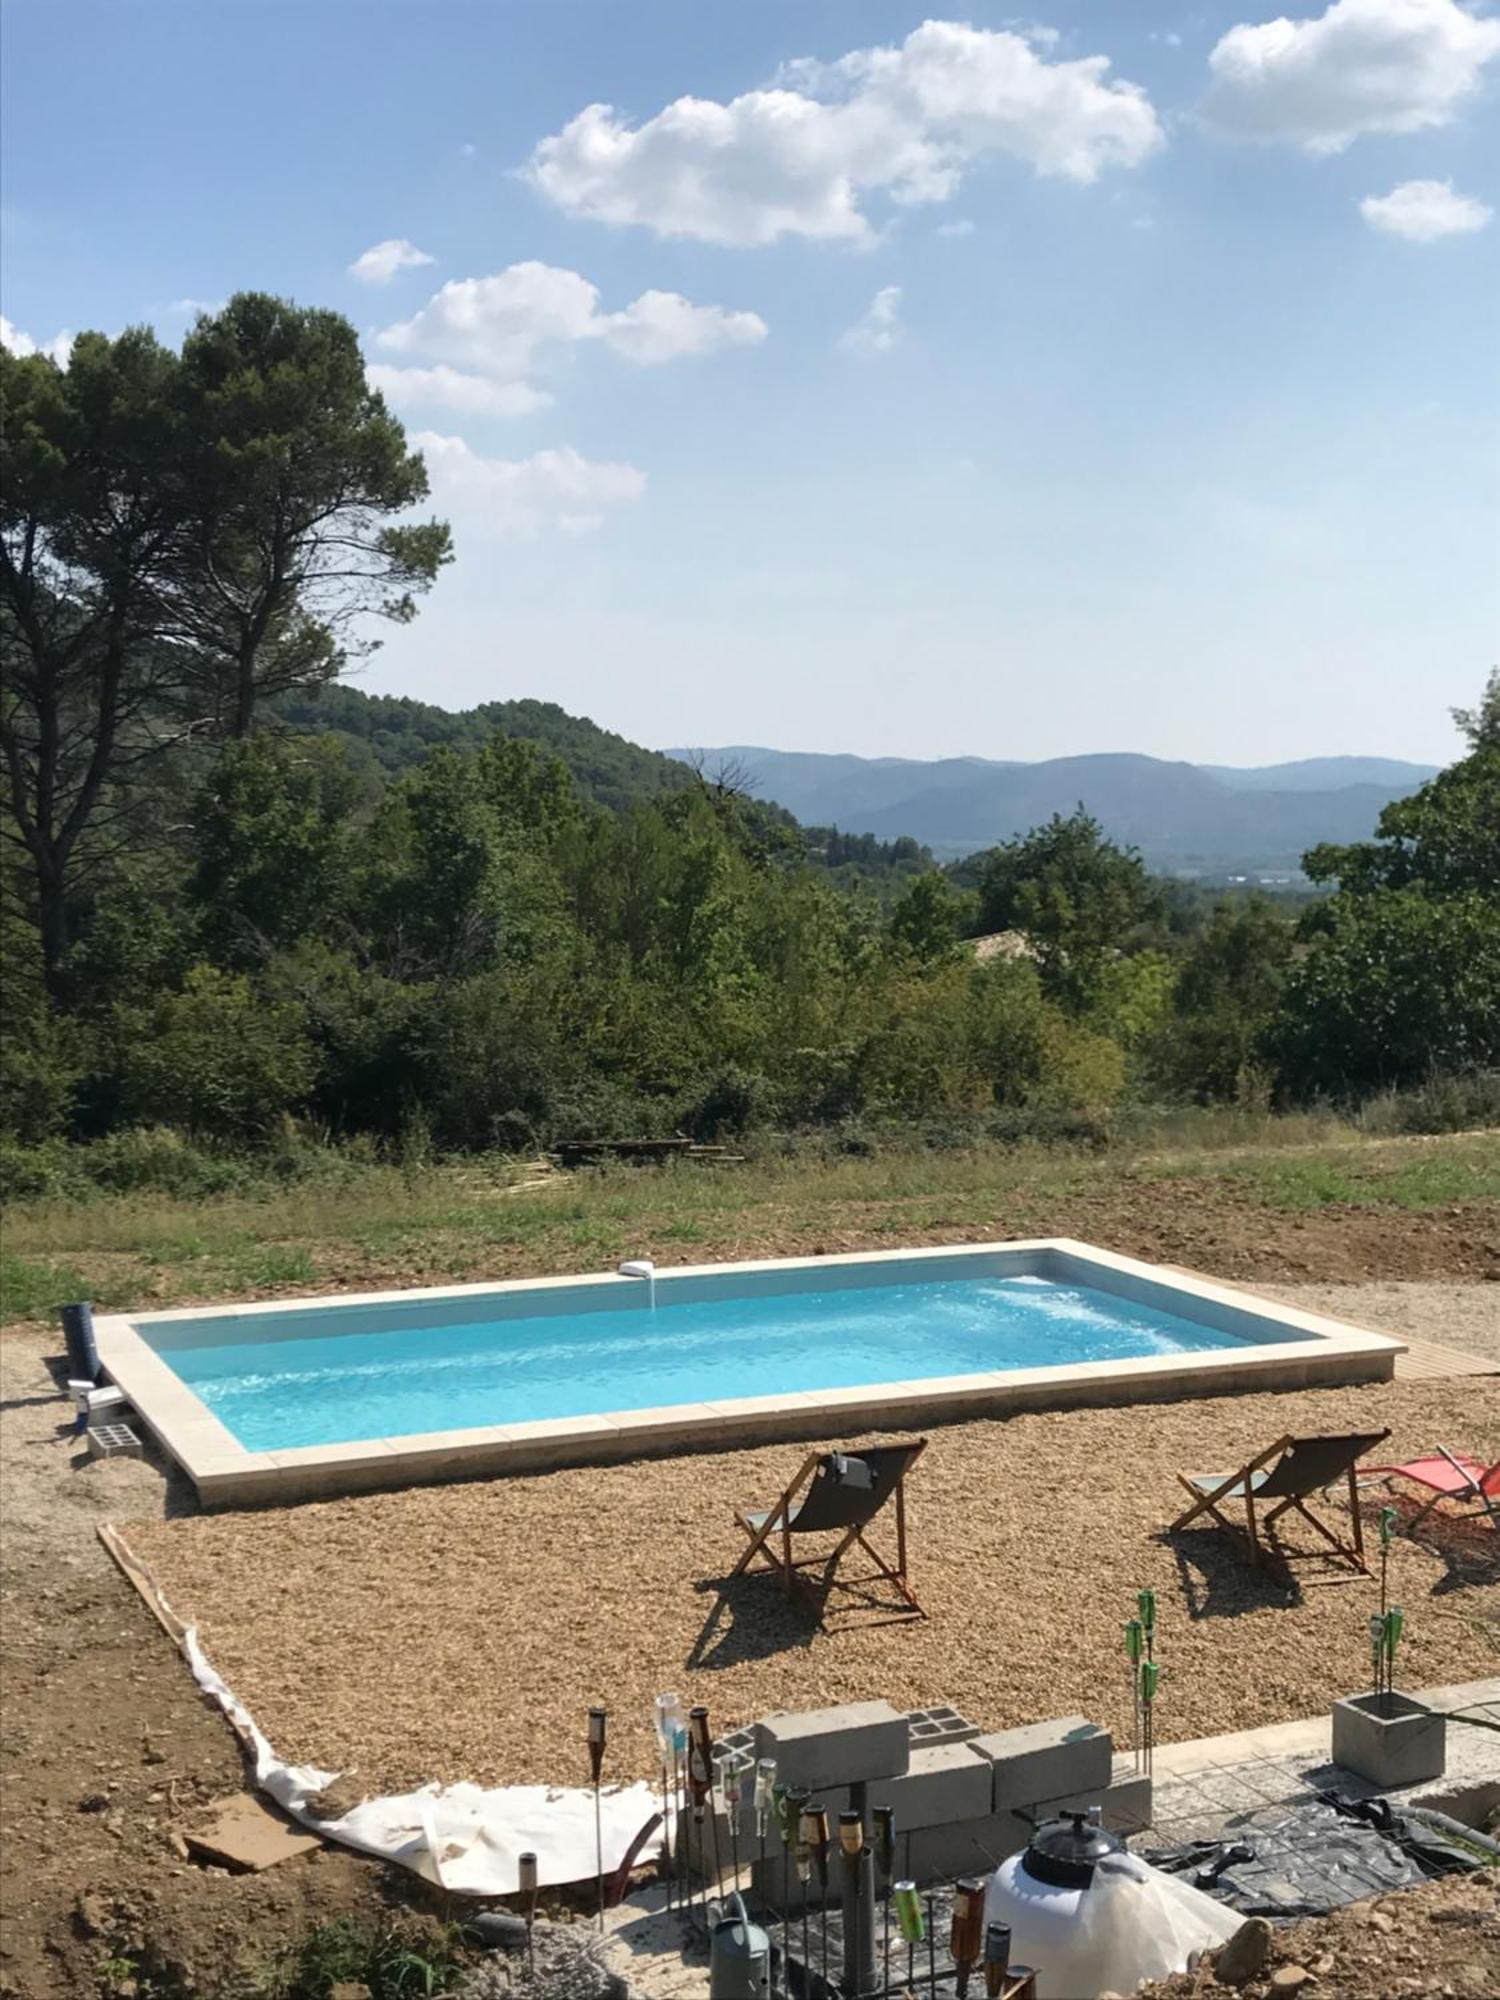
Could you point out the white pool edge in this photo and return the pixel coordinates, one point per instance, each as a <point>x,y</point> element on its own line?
<point>226,1474</point>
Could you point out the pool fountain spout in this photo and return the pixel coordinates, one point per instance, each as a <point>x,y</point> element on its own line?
<point>641,1267</point>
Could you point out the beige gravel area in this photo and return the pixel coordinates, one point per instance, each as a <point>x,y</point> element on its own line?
<point>462,1631</point>
<point>1466,1317</point>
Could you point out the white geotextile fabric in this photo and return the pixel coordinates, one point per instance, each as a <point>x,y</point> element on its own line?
<point>1132,1923</point>
<point>467,1838</point>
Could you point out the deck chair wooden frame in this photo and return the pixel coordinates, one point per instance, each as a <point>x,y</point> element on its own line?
<point>771,1536</point>
<point>1251,1535</point>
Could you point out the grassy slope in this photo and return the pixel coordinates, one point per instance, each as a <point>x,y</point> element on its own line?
<point>1230,1209</point>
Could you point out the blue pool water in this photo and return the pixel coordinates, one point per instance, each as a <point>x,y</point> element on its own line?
<point>497,1367</point>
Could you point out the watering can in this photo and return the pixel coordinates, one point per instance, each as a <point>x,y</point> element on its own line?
<point>739,1954</point>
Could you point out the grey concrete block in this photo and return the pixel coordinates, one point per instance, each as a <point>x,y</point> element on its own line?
<point>946,1781</point>
<point>1047,1760</point>
<point>693,1841</point>
<point>1389,1739</point>
<point>1125,1801</point>
<point>963,1847</point>
<point>942,1724</point>
<point>768,1887</point>
<point>819,1749</point>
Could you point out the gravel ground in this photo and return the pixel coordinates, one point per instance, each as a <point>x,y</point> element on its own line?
<point>462,1631</point>
<point>1462,1316</point>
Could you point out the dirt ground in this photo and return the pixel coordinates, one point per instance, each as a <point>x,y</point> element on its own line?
<point>1442,1940</point>
<point>107,1751</point>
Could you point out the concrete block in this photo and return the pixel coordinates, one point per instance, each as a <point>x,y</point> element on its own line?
<point>694,1841</point>
<point>826,1747</point>
<point>946,1781</point>
<point>1047,1760</point>
<point>1125,1801</point>
<point>766,1886</point>
<point>939,1725</point>
<point>1389,1739</point>
<point>963,1847</point>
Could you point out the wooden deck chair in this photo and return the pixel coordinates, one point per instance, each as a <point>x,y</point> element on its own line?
<point>1287,1474</point>
<point>844,1491</point>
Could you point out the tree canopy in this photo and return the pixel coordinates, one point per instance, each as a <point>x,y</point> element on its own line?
<point>180,537</point>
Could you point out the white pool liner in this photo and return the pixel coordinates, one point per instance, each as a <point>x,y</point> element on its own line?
<point>467,1839</point>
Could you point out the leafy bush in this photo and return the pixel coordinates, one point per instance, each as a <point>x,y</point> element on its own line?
<point>216,1058</point>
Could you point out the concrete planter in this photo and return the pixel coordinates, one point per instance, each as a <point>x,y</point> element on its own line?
<point>1389,1739</point>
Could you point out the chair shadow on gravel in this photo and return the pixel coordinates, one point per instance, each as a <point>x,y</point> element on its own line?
<point>1468,1550</point>
<point>1217,1580</point>
<point>751,1618</point>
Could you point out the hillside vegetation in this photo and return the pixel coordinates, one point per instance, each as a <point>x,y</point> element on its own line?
<point>250,912</point>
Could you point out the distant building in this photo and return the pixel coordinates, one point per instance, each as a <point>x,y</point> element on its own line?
<point>1003,944</point>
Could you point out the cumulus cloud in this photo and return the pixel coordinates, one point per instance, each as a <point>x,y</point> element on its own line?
<point>380,263</point>
<point>557,489</point>
<point>477,340</point>
<point>453,389</point>
<point>1424,211</point>
<point>59,347</point>
<point>880,328</point>
<point>800,157</point>
<point>963,227</point>
<point>1364,66</point>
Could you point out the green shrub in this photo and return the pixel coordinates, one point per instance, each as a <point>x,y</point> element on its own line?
<point>216,1058</point>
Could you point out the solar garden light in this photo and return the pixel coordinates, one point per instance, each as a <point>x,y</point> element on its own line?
<point>598,1723</point>
<point>526,1870</point>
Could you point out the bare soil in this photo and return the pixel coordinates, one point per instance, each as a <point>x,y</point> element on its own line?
<point>107,1752</point>
<point>1442,1940</point>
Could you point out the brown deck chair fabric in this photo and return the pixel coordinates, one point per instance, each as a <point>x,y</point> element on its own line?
<point>847,1491</point>
<point>1286,1476</point>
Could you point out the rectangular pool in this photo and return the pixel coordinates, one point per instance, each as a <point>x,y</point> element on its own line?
<point>317,1395</point>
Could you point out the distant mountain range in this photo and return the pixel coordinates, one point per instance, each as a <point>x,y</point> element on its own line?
<point>1189,819</point>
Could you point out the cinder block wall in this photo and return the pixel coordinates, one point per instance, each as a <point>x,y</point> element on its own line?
<point>962,1800</point>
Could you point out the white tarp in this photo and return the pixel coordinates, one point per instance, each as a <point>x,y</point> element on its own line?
<point>466,1838</point>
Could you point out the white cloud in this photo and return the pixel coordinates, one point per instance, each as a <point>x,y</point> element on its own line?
<point>190,308</point>
<point>1423,211</point>
<point>451,389</point>
<point>380,263</point>
<point>1363,66</point>
<point>557,489</point>
<point>59,347</point>
<point>798,158</point>
<point>880,329</point>
<point>485,335</point>
<point>963,227</point>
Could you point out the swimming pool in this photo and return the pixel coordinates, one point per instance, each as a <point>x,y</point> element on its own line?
<point>317,1395</point>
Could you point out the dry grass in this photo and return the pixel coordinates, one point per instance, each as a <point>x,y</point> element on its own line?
<point>462,1631</point>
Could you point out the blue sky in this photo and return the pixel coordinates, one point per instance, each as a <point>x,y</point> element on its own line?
<point>911,390</point>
